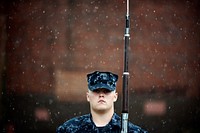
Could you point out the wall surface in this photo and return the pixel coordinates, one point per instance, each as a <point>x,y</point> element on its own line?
<point>49,36</point>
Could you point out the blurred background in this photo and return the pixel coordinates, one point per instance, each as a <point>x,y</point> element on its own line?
<point>47,47</point>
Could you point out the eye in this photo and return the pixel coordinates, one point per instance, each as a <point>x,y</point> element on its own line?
<point>106,91</point>
<point>97,91</point>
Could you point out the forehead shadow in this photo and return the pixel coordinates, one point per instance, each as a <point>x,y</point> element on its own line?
<point>102,89</point>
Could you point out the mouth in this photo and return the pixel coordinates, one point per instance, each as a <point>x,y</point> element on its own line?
<point>101,101</point>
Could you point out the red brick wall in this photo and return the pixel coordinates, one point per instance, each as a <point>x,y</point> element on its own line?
<point>82,36</point>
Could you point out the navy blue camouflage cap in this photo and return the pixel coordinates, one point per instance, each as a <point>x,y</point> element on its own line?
<point>106,80</point>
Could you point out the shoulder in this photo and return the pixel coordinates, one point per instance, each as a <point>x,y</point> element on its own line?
<point>116,121</point>
<point>73,124</point>
<point>135,129</point>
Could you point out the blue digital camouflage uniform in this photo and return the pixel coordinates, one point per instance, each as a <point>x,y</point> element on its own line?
<point>84,124</point>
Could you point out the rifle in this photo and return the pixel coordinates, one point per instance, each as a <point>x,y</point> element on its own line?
<point>124,115</point>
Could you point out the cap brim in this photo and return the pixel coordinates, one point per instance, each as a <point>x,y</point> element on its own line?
<point>100,86</point>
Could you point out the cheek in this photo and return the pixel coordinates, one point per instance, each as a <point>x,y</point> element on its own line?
<point>91,97</point>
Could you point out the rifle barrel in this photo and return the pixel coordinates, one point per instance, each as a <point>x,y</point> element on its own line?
<point>125,99</point>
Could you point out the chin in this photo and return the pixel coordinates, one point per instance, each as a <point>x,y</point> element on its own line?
<point>101,109</point>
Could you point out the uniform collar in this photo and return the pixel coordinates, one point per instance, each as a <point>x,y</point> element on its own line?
<point>115,121</point>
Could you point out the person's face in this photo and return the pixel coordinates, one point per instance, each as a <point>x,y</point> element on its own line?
<point>101,99</point>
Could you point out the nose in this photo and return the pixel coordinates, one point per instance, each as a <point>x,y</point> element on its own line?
<point>101,94</point>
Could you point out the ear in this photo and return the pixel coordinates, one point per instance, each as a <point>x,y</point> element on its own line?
<point>115,96</point>
<point>87,96</point>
